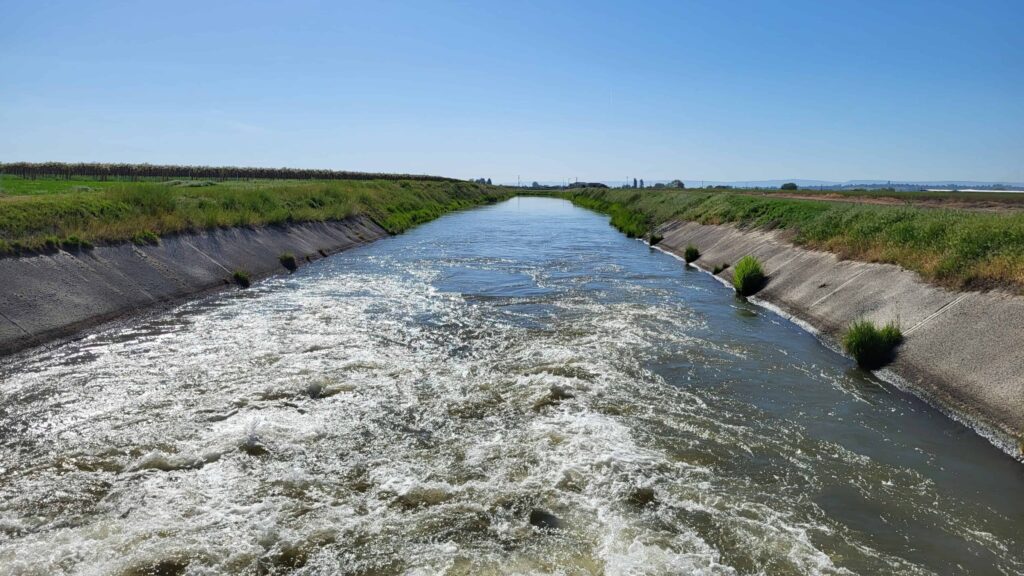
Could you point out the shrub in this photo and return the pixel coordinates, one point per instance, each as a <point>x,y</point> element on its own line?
<point>718,269</point>
<point>288,261</point>
<point>870,346</point>
<point>241,277</point>
<point>146,238</point>
<point>51,243</point>
<point>748,276</point>
<point>655,238</point>
<point>790,186</point>
<point>691,254</point>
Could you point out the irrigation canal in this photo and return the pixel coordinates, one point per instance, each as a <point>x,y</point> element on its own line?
<point>512,389</point>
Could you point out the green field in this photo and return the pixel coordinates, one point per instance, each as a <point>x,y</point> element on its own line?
<point>41,214</point>
<point>14,186</point>
<point>955,248</point>
<point>998,197</point>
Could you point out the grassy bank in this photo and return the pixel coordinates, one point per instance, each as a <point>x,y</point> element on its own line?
<point>955,248</point>
<point>104,212</point>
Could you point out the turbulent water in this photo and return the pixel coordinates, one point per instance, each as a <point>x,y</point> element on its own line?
<point>513,389</point>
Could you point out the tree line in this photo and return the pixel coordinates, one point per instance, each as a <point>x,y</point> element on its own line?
<point>133,172</point>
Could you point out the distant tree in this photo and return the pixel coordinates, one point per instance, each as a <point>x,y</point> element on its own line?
<point>488,181</point>
<point>789,186</point>
<point>658,185</point>
<point>634,183</point>
<point>641,182</point>
<point>535,184</point>
<point>676,184</point>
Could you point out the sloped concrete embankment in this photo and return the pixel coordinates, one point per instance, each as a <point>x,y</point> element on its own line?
<point>54,295</point>
<point>963,352</point>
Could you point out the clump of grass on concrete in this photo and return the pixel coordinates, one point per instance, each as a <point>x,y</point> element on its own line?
<point>242,278</point>
<point>748,276</point>
<point>870,346</point>
<point>691,253</point>
<point>655,238</point>
<point>288,261</point>
<point>720,268</point>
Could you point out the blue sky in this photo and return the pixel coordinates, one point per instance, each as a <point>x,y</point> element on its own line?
<point>712,90</point>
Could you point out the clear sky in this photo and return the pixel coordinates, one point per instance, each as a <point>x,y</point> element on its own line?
<point>595,90</point>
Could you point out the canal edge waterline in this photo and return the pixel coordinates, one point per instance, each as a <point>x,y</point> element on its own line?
<point>961,392</point>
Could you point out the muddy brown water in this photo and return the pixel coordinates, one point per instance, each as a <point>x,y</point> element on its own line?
<point>513,389</point>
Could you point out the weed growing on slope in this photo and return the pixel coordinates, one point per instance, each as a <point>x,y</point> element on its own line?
<point>748,276</point>
<point>691,254</point>
<point>288,261</point>
<point>242,278</point>
<point>870,346</point>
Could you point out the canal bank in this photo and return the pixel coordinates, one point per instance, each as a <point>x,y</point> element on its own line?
<point>961,351</point>
<point>49,296</point>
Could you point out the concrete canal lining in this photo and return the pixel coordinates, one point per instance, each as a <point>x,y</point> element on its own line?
<point>963,352</point>
<point>53,295</point>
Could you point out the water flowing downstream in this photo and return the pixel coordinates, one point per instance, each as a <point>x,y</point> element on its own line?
<point>513,389</point>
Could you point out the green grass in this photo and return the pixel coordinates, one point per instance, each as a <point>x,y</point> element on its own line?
<point>146,238</point>
<point>242,278</point>
<point>954,248</point>
<point>870,346</point>
<point>288,261</point>
<point>904,197</point>
<point>691,254</point>
<point>142,211</point>
<point>75,244</point>
<point>15,186</point>
<point>748,276</point>
<point>630,222</point>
